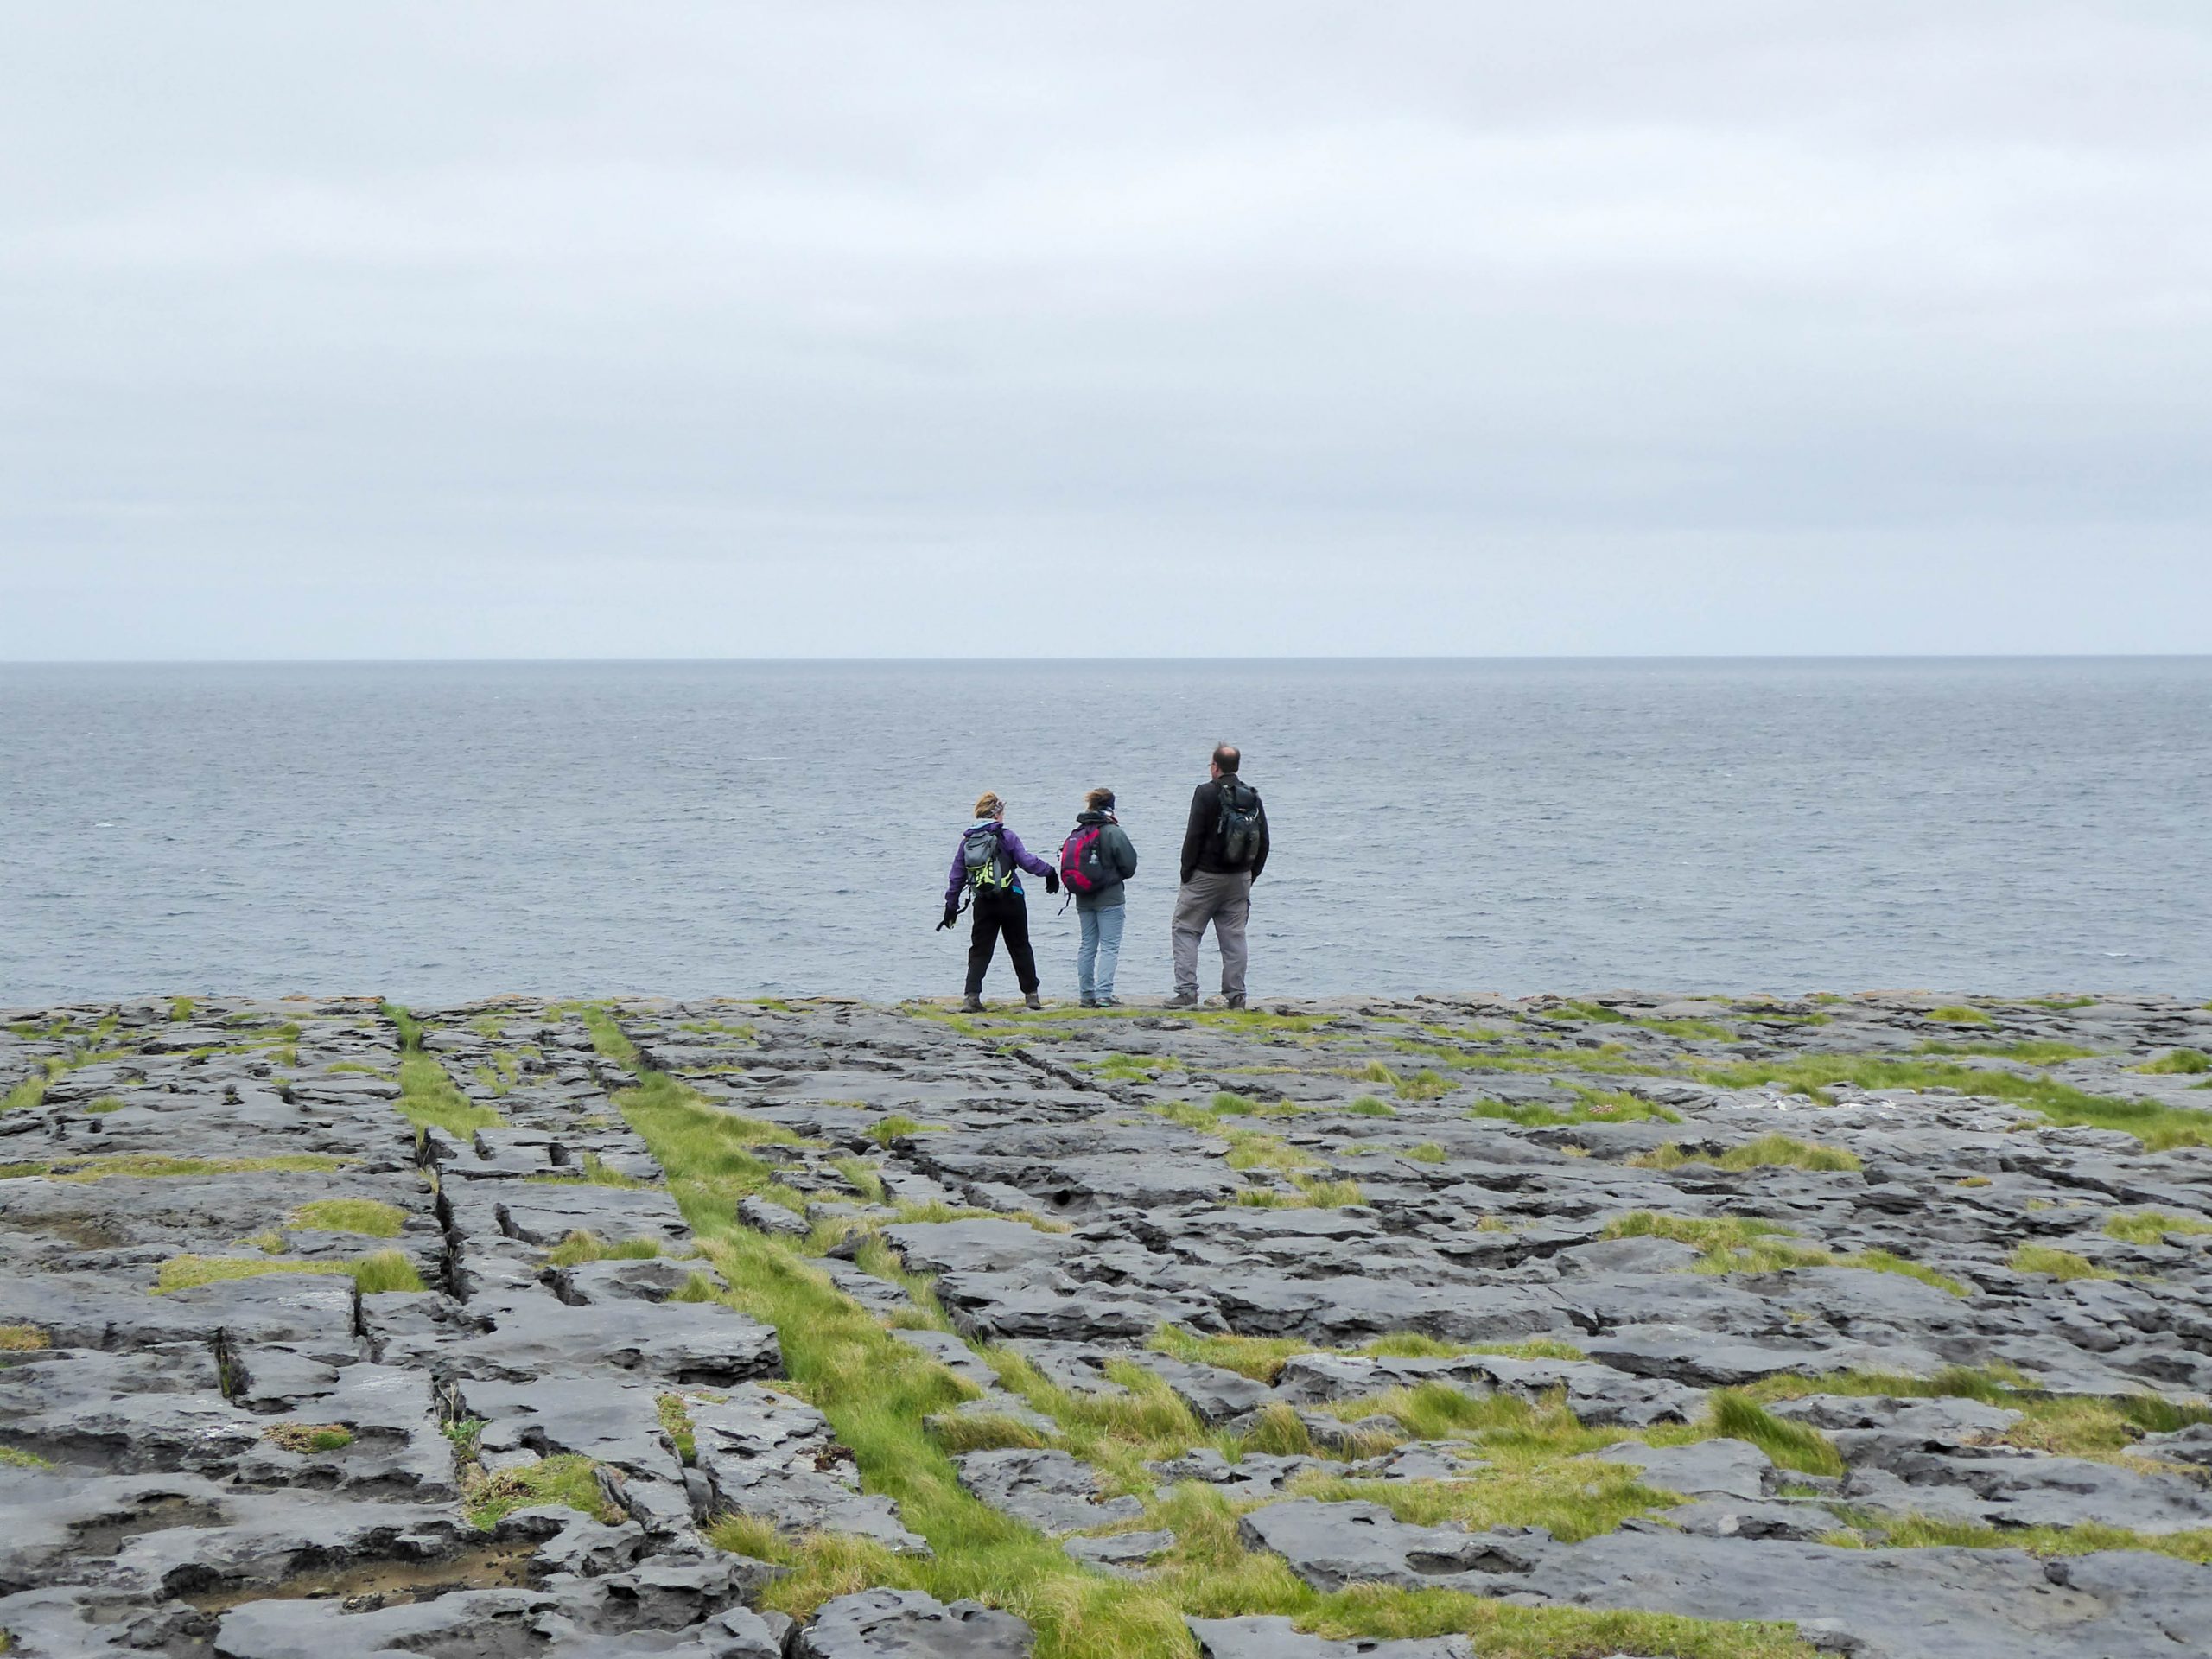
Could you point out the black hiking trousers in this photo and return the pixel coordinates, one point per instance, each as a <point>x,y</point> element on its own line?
<point>995,913</point>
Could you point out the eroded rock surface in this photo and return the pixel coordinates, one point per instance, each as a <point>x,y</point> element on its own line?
<point>1617,1213</point>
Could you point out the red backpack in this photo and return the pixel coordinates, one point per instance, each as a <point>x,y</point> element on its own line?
<point>1085,868</point>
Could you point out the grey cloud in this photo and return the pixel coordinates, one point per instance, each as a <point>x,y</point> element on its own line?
<point>1403,326</point>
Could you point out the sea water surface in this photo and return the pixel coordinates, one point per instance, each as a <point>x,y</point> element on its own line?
<point>438,832</point>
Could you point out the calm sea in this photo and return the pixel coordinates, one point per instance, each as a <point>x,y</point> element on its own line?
<point>444,831</point>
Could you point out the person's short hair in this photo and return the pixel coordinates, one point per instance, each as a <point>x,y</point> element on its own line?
<point>1099,800</point>
<point>1227,756</point>
<point>989,805</point>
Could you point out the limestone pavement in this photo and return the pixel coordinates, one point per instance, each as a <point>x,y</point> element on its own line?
<point>1884,1315</point>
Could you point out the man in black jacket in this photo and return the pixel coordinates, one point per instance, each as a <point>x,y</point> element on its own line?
<point>1224,849</point>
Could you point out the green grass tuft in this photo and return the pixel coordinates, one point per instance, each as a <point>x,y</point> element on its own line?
<point>1792,1445</point>
<point>2059,1264</point>
<point>386,1270</point>
<point>2152,1226</point>
<point>568,1481</point>
<point>1738,1244</point>
<point>188,1272</point>
<point>1591,1106</point>
<point>370,1218</point>
<point>1960,1014</point>
<point>307,1439</point>
<point>1775,1151</point>
<point>2036,1051</point>
<point>898,1124</point>
<point>580,1247</point>
<point>2178,1063</point>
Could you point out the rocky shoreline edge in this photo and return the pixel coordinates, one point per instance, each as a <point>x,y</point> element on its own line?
<point>1624,1324</point>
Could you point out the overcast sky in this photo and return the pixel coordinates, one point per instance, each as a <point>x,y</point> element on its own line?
<point>547,329</point>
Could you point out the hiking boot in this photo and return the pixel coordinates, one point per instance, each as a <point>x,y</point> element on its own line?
<point>1029,1001</point>
<point>1236,1001</point>
<point>1088,1002</point>
<point>1182,999</point>
<point>971,1004</point>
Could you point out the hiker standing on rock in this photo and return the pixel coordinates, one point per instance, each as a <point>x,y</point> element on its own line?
<point>988,865</point>
<point>1224,849</point>
<point>1095,861</point>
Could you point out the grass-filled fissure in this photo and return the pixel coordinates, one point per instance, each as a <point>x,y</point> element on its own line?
<point>428,1095</point>
<point>877,1393</point>
<point>2157,1127</point>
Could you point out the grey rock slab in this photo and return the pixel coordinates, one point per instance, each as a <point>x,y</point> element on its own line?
<point>545,1213</point>
<point>1705,1358</point>
<point>764,1454</point>
<point>1037,1302</point>
<point>1883,1604</point>
<point>534,1332</point>
<point>1257,1474</point>
<point>1948,1422</point>
<point>1797,1519</point>
<point>1053,1491</point>
<point>1421,1460</point>
<point>740,1633</point>
<point>1332,1545</point>
<point>908,1624</point>
<point>1214,1395</point>
<point>672,1589</point>
<point>617,1280</point>
<point>1122,1555</point>
<point>57,1520</point>
<point>1704,1468</point>
<point>1345,1309</point>
<point>765,1217</point>
<point>494,1623</point>
<point>2192,1445</point>
<point>1078,1367</point>
<point>609,1422</point>
<point>2028,1489</point>
<point>996,1403</point>
<point>881,1295</point>
<point>977,1244</point>
<point>1279,1639</point>
<point>278,1536</point>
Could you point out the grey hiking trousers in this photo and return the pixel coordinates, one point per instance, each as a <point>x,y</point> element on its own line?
<point>1225,901</point>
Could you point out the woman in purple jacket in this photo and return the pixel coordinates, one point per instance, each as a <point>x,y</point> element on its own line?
<point>989,863</point>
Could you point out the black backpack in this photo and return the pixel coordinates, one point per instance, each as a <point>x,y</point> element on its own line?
<point>1238,830</point>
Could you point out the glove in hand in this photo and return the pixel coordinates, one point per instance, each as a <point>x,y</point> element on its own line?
<point>951,915</point>
<point>1052,881</point>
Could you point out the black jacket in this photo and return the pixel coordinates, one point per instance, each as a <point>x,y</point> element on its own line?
<point>1201,837</point>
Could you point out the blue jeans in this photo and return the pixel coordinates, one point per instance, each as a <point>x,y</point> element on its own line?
<point>1100,949</point>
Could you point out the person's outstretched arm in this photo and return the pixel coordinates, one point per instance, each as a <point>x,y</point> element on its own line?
<point>1022,855</point>
<point>957,880</point>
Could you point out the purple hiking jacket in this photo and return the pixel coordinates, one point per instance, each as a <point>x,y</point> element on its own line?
<point>1023,858</point>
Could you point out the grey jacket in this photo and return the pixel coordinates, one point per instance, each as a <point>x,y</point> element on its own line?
<point>1118,850</point>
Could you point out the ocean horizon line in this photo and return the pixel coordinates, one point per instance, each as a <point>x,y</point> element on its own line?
<point>1788,658</point>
